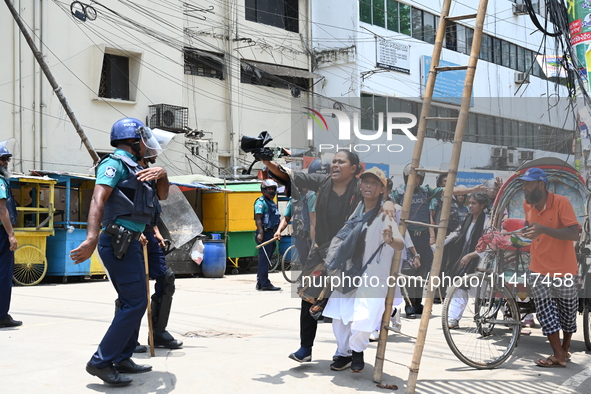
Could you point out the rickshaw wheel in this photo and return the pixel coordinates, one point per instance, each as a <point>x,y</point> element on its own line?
<point>30,265</point>
<point>587,326</point>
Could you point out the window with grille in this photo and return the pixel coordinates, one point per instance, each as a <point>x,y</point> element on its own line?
<point>204,64</point>
<point>114,82</point>
<point>255,76</point>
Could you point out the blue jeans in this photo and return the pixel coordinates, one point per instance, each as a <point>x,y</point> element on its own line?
<point>263,269</point>
<point>128,277</point>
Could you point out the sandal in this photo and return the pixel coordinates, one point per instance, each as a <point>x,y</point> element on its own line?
<point>551,362</point>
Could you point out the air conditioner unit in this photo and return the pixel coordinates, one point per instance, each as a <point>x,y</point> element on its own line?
<point>498,152</point>
<point>520,9</point>
<point>512,159</point>
<point>526,155</point>
<point>168,117</point>
<point>521,77</point>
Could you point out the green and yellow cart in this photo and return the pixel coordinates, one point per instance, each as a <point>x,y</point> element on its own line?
<point>34,196</point>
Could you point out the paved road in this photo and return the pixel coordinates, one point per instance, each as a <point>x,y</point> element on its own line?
<point>237,340</point>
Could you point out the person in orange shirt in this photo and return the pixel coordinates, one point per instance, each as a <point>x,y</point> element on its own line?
<point>553,227</point>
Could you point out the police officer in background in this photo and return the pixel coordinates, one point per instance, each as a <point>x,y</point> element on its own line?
<point>163,291</point>
<point>8,243</point>
<point>123,203</point>
<point>164,276</point>
<point>267,217</point>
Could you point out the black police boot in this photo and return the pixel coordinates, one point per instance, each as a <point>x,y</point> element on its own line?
<point>165,340</point>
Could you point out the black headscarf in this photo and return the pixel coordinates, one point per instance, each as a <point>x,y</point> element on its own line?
<point>459,247</point>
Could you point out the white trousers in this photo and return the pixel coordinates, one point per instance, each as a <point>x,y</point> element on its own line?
<point>347,339</point>
<point>396,319</point>
<point>459,301</point>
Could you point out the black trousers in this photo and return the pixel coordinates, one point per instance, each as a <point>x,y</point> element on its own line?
<point>420,239</point>
<point>308,326</point>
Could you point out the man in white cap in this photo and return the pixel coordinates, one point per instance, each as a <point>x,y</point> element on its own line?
<point>356,312</point>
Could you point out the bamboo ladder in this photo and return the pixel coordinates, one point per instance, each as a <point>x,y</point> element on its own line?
<point>448,191</point>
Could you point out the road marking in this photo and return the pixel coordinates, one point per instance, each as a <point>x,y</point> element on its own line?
<point>570,385</point>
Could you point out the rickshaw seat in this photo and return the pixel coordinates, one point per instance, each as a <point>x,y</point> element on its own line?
<point>514,224</point>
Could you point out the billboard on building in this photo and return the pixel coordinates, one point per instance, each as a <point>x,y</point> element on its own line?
<point>393,55</point>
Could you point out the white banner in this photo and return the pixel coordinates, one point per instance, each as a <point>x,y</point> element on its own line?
<point>393,55</point>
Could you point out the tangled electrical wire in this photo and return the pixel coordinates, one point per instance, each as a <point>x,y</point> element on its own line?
<point>83,11</point>
<point>556,13</point>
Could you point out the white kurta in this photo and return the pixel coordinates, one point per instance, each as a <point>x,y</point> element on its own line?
<point>364,306</point>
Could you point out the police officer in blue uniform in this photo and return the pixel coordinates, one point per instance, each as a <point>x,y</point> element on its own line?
<point>267,217</point>
<point>123,203</point>
<point>8,243</point>
<point>163,291</point>
<point>164,276</point>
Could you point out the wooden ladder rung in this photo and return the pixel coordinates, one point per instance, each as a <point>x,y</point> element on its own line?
<point>461,17</point>
<point>440,118</point>
<point>433,170</point>
<point>422,224</point>
<point>451,68</point>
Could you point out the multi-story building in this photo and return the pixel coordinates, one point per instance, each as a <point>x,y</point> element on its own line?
<point>211,71</point>
<point>379,52</point>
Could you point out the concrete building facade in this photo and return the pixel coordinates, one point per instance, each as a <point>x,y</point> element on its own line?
<point>377,52</point>
<point>211,71</point>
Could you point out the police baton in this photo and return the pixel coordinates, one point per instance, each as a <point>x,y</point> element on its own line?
<point>267,242</point>
<point>150,330</point>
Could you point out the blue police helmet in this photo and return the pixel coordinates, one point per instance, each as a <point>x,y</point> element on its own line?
<point>316,167</point>
<point>4,152</point>
<point>9,147</point>
<point>124,129</point>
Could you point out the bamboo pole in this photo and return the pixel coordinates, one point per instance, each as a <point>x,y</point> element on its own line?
<point>451,180</point>
<point>410,187</point>
<point>56,88</point>
<point>150,328</point>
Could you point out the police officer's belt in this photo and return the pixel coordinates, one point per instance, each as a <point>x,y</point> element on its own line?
<point>121,239</point>
<point>114,229</point>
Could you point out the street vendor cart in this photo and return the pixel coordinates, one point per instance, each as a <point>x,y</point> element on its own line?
<point>230,213</point>
<point>73,193</point>
<point>35,199</point>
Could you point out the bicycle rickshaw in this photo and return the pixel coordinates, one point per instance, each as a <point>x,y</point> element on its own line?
<point>34,196</point>
<point>490,327</point>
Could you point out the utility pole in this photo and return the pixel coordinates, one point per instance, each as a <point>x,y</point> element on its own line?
<point>56,88</point>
